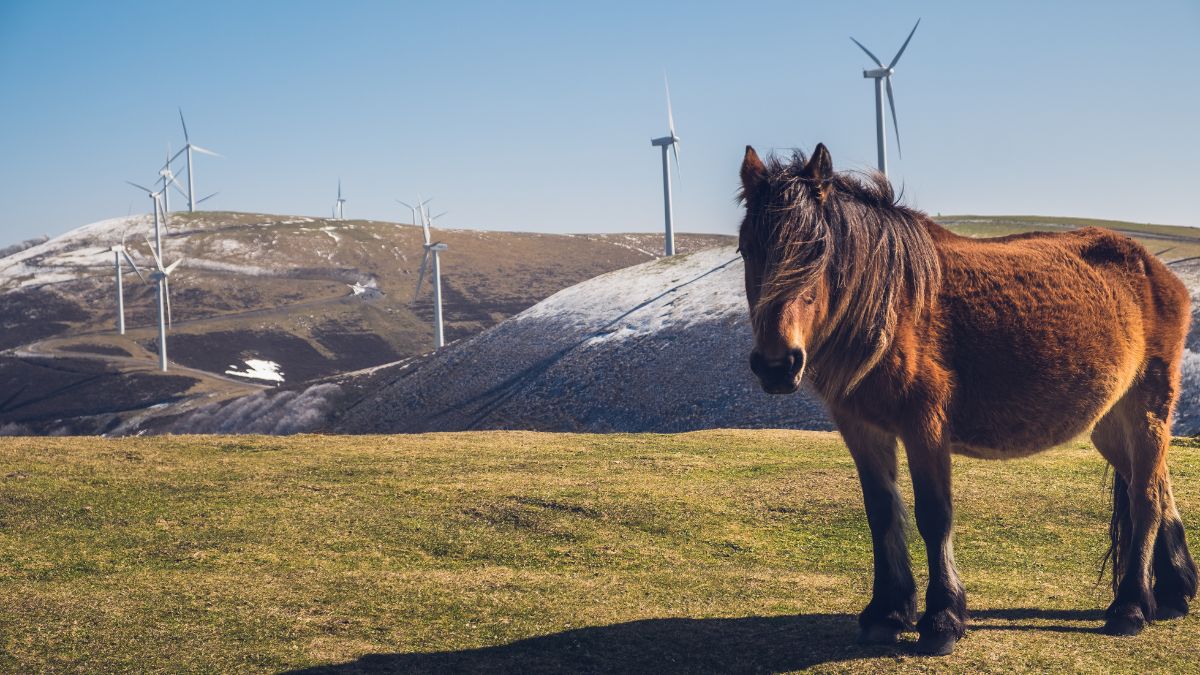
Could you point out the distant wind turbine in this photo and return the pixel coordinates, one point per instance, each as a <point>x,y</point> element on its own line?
<point>189,148</point>
<point>420,204</point>
<point>883,76</point>
<point>168,179</point>
<point>161,275</point>
<point>669,141</point>
<point>119,251</point>
<point>432,249</point>
<point>337,207</point>
<point>157,210</point>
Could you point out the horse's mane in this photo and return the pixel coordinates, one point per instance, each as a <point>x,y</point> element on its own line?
<point>874,255</point>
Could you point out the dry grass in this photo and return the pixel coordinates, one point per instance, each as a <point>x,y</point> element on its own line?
<point>712,551</point>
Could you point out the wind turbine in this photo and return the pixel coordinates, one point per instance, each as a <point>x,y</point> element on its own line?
<point>883,77</point>
<point>669,141</point>
<point>161,276</point>
<point>168,179</point>
<point>119,251</point>
<point>157,208</point>
<point>337,208</point>
<point>432,249</point>
<point>188,148</point>
<point>420,204</point>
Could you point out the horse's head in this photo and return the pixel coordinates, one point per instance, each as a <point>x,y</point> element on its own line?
<point>784,258</point>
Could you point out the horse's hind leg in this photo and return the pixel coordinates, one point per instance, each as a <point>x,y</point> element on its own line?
<point>1134,437</point>
<point>1174,569</point>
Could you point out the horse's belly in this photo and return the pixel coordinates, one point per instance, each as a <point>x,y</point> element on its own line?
<point>1040,376</point>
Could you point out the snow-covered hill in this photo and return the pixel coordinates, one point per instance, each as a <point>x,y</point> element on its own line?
<point>657,347</point>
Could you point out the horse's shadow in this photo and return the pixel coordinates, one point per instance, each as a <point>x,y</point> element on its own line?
<point>750,644</point>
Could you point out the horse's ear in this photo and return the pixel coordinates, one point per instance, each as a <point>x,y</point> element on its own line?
<point>820,166</point>
<point>753,172</point>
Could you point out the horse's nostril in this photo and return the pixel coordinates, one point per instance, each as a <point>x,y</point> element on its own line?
<point>795,361</point>
<point>758,364</point>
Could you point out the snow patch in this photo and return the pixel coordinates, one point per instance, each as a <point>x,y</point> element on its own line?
<point>258,369</point>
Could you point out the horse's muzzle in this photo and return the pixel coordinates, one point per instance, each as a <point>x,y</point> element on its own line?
<point>780,376</point>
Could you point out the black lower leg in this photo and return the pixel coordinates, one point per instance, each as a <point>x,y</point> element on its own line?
<point>893,603</point>
<point>1174,570</point>
<point>945,618</point>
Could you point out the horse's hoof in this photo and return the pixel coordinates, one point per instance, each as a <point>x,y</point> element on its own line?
<point>936,644</point>
<point>879,634</point>
<point>1125,625</point>
<point>1175,608</point>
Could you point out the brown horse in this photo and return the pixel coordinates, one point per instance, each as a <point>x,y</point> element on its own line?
<point>993,348</point>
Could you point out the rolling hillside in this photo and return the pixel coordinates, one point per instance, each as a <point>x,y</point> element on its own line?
<point>310,297</point>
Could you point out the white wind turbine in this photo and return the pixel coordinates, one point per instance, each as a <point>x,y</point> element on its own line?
<point>883,77</point>
<point>420,204</point>
<point>669,141</point>
<point>167,178</point>
<point>337,206</point>
<point>189,148</point>
<point>161,276</point>
<point>432,249</point>
<point>119,251</point>
<point>157,210</point>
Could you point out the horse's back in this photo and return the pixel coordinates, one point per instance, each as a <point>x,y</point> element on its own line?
<point>1044,332</point>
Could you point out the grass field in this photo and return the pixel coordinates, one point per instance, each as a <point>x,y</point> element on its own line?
<point>714,551</point>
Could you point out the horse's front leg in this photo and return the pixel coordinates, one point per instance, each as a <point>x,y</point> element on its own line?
<point>945,618</point>
<point>893,602</point>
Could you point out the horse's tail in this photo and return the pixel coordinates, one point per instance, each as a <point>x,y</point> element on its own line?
<point>1120,528</point>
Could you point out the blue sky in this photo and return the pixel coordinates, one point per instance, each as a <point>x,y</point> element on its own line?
<point>538,116</point>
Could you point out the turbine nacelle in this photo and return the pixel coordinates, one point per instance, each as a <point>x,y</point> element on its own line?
<point>665,140</point>
<point>878,73</point>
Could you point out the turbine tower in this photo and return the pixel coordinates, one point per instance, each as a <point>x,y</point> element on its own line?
<point>883,77</point>
<point>189,148</point>
<point>432,249</point>
<point>337,208</point>
<point>119,251</point>
<point>161,276</point>
<point>669,141</point>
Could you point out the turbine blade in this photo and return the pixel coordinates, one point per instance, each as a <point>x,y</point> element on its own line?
<point>425,228</point>
<point>133,265</point>
<point>868,51</point>
<point>675,150</point>
<point>406,204</point>
<point>185,133</point>
<point>439,215</point>
<point>206,151</point>
<point>339,189</point>
<point>895,123</point>
<point>670,113</point>
<point>178,188</point>
<point>153,253</point>
<point>176,156</point>
<point>140,187</point>
<point>201,201</point>
<point>421,274</point>
<point>172,266</point>
<point>167,297</point>
<point>905,45</point>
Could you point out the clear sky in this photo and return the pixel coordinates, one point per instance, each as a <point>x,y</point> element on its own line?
<point>538,116</point>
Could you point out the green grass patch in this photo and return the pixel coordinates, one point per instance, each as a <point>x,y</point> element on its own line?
<point>729,551</point>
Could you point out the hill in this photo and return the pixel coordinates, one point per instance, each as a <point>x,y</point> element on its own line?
<point>314,297</point>
<point>719,551</point>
